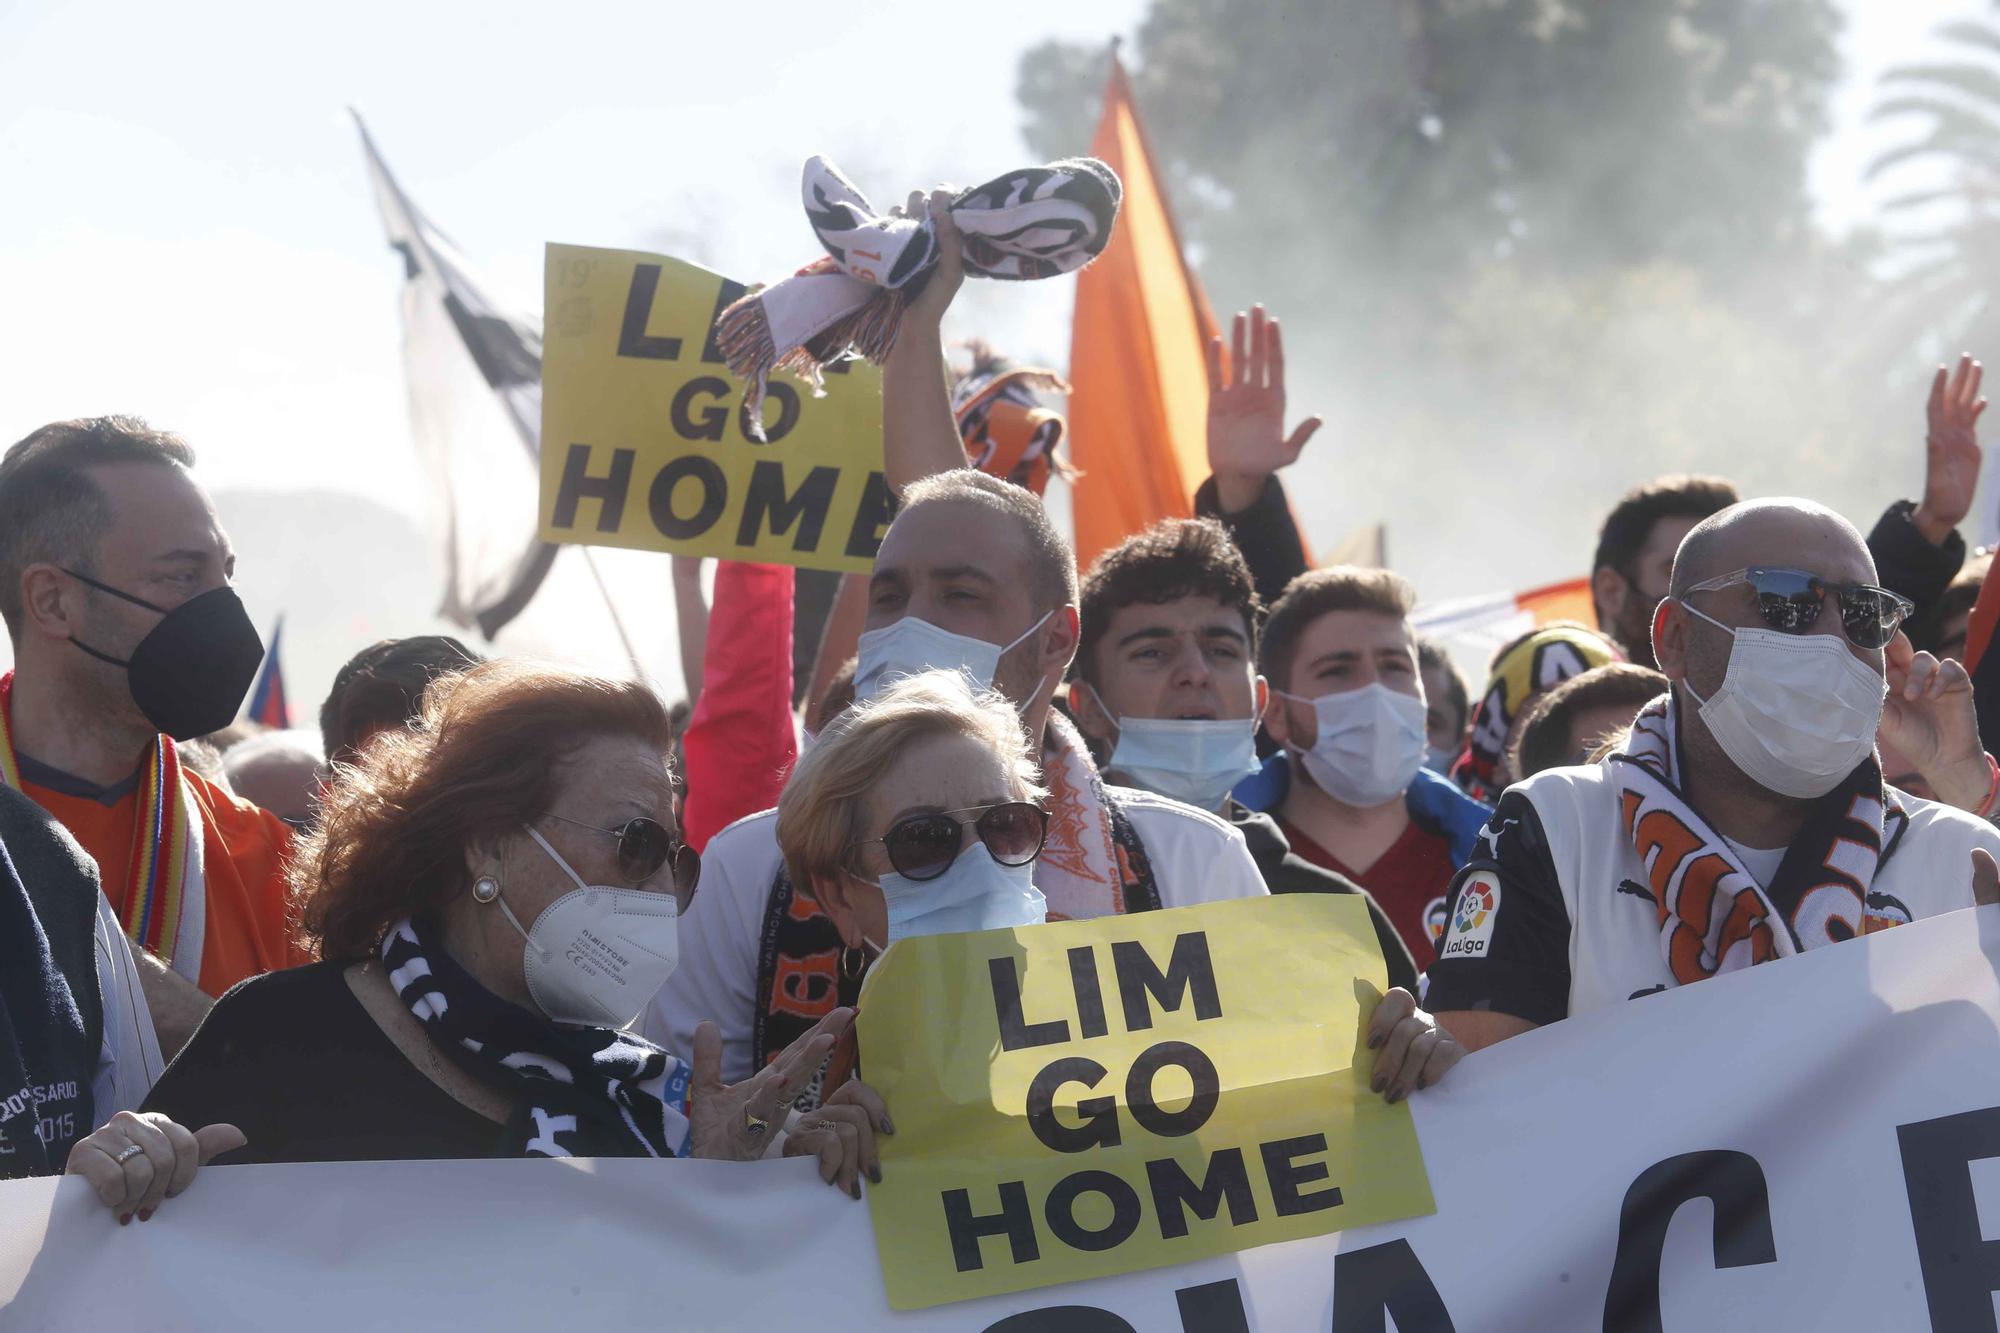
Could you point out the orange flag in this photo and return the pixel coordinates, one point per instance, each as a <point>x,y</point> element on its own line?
<point>1138,411</point>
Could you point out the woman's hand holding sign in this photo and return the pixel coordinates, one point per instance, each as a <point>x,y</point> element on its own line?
<point>1412,1050</point>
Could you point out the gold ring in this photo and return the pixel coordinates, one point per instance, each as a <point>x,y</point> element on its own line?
<point>820,1124</point>
<point>754,1124</point>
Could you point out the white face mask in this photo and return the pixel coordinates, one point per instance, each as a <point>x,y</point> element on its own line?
<point>1371,743</point>
<point>1440,761</point>
<point>913,645</point>
<point>974,893</point>
<point>598,955</point>
<point>1192,759</point>
<point>1795,712</point>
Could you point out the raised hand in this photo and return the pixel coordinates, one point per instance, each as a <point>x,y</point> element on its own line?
<point>1928,718</point>
<point>1951,449</point>
<point>949,274</point>
<point>1246,412</point>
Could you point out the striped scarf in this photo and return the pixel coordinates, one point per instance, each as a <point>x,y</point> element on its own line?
<point>1714,915</point>
<point>1033,223</point>
<point>165,908</point>
<point>578,1091</point>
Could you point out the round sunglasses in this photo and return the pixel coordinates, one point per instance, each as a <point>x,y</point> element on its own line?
<point>644,845</point>
<point>922,847</point>
<point>1790,601</point>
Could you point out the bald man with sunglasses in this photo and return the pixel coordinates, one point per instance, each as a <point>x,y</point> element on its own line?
<point>1744,819</point>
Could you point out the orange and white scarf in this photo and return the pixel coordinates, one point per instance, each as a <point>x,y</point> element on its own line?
<point>1714,915</point>
<point>165,907</point>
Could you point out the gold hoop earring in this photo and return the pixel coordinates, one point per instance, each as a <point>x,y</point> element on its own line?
<point>485,889</point>
<point>852,971</point>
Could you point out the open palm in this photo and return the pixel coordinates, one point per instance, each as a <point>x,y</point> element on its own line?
<point>1951,448</point>
<point>1246,411</point>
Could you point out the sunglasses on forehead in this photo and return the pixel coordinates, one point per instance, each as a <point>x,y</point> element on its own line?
<point>1791,600</point>
<point>644,845</point>
<point>922,847</point>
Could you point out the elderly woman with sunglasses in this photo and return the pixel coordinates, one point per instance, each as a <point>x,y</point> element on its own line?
<point>495,894</point>
<point>916,813</point>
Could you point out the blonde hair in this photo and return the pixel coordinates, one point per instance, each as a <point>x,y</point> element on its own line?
<point>819,814</point>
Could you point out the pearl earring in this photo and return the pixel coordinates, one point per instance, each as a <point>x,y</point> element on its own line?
<point>485,889</point>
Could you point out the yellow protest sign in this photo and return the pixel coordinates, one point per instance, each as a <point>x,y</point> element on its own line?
<point>1094,1097</point>
<point>642,428</point>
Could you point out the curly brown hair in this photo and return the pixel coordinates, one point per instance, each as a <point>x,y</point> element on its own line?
<point>483,758</point>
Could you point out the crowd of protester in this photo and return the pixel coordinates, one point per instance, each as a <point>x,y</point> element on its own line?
<point>497,908</point>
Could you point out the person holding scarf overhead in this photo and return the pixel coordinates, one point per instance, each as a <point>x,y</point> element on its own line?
<point>115,587</point>
<point>496,893</point>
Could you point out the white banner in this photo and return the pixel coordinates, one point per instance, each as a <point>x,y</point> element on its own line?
<point>1804,1145</point>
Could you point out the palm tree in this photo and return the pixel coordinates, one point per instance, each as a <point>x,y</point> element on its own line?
<point>1944,237</point>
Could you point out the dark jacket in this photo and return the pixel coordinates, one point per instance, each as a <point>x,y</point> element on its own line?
<point>51,1014</point>
<point>1907,563</point>
<point>1265,534</point>
<point>1285,872</point>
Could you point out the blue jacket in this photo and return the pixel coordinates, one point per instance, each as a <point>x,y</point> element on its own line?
<point>1435,802</point>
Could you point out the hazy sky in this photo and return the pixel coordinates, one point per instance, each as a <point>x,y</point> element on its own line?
<point>188,232</point>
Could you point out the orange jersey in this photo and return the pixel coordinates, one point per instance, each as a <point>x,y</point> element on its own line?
<point>248,926</point>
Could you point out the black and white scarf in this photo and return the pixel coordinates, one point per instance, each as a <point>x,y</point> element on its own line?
<point>582,1092</point>
<point>1033,223</point>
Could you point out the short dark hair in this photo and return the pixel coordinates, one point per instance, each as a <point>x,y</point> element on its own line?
<point>383,686</point>
<point>1631,520</point>
<point>1431,654</point>
<point>1544,739</point>
<point>1317,592</point>
<point>1051,562</point>
<point>1175,558</point>
<point>51,512</point>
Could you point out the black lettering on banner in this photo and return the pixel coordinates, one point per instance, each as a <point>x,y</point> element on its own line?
<point>1089,999</point>
<point>1200,1071</point>
<point>1061,1319</point>
<point>711,353</point>
<point>578,485</point>
<point>1287,1175</point>
<point>1175,1194</point>
<point>1213,1307</point>
<point>1732,1182</point>
<point>714,495</point>
<point>1013,1221</point>
<point>1060,1210</point>
<point>1189,971</point>
<point>1961,1268</point>
<point>633,340</point>
<point>871,520</point>
<point>1016,1035</point>
<point>714,418</point>
<point>1383,1281</point>
<point>1100,1114</point>
<point>787,399</point>
<point>765,502</point>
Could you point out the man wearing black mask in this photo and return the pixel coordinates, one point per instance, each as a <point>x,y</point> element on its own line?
<point>1635,553</point>
<point>114,585</point>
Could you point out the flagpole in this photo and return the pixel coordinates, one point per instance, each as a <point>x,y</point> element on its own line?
<point>617,621</point>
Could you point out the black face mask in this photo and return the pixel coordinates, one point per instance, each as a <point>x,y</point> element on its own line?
<point>190,673</point>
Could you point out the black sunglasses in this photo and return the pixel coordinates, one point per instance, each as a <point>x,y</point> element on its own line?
<point>923,846</point>
<point>644,845</point>
<point>1790,601</point>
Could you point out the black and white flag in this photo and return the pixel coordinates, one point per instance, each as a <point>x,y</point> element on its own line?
<point>475,381</point>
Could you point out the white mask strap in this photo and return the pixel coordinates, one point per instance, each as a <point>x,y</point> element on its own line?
<point>1030,630</point>
<point>555,856</point>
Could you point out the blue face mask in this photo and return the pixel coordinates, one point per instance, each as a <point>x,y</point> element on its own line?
<point>974,893</point>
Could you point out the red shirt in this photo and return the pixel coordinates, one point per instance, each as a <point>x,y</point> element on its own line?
<point>1409,880</point>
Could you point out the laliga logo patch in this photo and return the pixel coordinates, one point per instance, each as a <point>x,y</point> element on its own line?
<point>1472,924</point>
